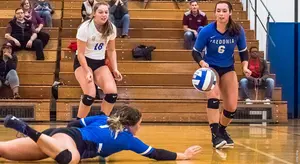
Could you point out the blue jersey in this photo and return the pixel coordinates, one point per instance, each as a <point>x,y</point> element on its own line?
<point>108,142</point>
<point>219,47</point>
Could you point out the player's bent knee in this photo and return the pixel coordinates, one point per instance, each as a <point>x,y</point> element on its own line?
<point>213,103</point>
<point>229,114</point>
<point>88,100</point>
<point>64,157</point>
<point>111,97</point>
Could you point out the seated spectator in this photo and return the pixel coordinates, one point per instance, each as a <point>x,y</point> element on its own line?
<point>259,77</point>
<point>192,20</point>
<point>87,9</point>
<point>45,11</point>
<point>119,15</point>
<point>8,73</point>
<point>36,20</point>
<point>21,34</point>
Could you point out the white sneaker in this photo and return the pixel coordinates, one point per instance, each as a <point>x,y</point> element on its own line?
<point>248,101</point>
<point>267,102</point>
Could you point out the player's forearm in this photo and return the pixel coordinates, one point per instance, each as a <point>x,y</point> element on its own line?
<point>112,56</point>
<point>245,64</point>
<point>9,37</point>
<point>82,61</point>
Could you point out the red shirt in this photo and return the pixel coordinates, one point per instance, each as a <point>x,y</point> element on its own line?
<point>194,22</point>
<point>254,67</point>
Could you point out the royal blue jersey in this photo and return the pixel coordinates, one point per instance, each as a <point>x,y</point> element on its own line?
<point>219,47</point>
<point>108,142</point>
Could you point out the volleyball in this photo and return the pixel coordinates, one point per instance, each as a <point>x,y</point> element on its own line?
<point>204,79</point>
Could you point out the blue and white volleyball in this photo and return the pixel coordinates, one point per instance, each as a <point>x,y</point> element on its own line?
<point>204,79</point>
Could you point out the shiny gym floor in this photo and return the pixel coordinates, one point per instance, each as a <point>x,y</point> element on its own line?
<point>255,144</point>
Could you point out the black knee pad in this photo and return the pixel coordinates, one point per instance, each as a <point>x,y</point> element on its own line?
<point>213,103</point>
<point>88,100</point>
<point>64,157</point>
<point>228,114</point>
<point>111,97</point>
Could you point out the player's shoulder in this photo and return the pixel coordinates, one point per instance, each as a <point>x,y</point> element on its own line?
<point>208,29</point>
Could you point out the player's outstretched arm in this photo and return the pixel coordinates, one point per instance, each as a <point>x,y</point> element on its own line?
<point>189,153</point>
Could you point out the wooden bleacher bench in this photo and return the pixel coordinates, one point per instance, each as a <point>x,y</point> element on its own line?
<point>53,32</point>
<point>145,23</point>
<point>26,109</point>
<point>50,55</point>
<point>168,110</point>
<point>158,13</point>
<point>168,33</point>
<point>157,55</point>
<point>143,79</point>
<point>52,44</point>
<point>158,43</point>
<point>13,4</point>
<point>37,79</point>
<point>157,93</point>
<point>156,5</point>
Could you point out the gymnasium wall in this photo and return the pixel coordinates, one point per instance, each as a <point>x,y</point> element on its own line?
<point>282,61</point>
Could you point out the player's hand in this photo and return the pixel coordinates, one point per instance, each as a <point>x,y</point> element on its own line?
<point>247,72</point>
<point>203,64</point>
<point>191,151</point>
<point>118,75</point>
<point>89,76</point>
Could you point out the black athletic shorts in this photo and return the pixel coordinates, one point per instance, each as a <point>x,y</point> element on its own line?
<point>222,70</point>
<point>86,149</point>
<point>93,64</point>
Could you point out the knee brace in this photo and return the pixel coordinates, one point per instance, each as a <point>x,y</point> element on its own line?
<point>88,100</point>
<point>213,103</point>
<point>111,97</point>
<point>228,114</point>
<point>64,157</point>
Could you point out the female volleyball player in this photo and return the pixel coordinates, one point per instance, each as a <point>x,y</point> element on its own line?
<point>92,136</point>
<point>94,37</point>
<point>220,38</point>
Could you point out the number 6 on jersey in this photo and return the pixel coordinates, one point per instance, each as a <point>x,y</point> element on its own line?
<point>98,46</point>
<point>221,49</point>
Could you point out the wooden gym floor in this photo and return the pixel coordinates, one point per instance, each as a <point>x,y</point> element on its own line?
<point>255,144</point>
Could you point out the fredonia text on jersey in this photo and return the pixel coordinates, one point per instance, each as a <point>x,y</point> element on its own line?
<point>222,41</point>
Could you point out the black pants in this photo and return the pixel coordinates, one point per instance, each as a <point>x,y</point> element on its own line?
<point>37,46</point>
<point>44,37</point>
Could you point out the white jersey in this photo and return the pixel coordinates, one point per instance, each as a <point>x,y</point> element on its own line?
<point>95,44</point>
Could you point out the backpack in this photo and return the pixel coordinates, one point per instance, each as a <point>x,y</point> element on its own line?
<point>142,51</point>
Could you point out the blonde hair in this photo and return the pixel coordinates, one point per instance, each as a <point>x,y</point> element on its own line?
<point>122,117</point>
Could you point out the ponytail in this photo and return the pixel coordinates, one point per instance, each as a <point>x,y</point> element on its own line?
<point>115,124</point>
<point>233,28</point>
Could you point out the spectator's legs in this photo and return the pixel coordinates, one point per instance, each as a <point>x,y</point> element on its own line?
<point>270,87</point>
<point>13,81</point>
<point>37,45</point>
<point>125,21</point>
<point>46,15</point>
<point>188,40</point>
<point>44,37</point>
<point>244,89</point>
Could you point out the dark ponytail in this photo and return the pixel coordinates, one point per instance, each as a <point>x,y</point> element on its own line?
<point>232,27</point>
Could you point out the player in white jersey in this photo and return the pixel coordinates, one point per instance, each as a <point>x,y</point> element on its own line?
<point>94,37</point>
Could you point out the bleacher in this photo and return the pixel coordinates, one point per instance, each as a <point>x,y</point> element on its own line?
<point>161,88</point>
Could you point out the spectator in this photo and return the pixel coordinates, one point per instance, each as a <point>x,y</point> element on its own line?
<point>87,9</point>
<point>45,11</point>
<point>259,77</point>
<point>119,15</point>
<point>192,20</point>
<point>36,20</point>
<point>8,73</point>
<point>21,34</point>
